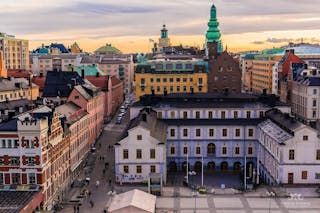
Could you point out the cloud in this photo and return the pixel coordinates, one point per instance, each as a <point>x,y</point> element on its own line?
<point>258,42</point>
<point>278,40</point>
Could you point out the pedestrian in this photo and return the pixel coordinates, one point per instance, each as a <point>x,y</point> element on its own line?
<point>104,172</point>
<point>78,209</point>
<point>74,209</point>
<point>109,181</point>
<point>99,145</point>
<point>103,158</point>
<point>97,183</point>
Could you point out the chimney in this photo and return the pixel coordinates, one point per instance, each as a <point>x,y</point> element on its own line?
<point>82,73</point>
<point>98,74</point>
<point>144,117</point>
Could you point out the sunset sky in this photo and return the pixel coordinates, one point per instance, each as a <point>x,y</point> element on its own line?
<point>129,24</point>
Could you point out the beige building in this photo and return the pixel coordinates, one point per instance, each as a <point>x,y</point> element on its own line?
<point>15,52</point>
<point>16,89</point>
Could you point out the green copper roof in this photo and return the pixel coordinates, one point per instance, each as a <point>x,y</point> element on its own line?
<point>107,49</point>
<point>213,33</point>
<point>272,51</point>
<point>89,70</point>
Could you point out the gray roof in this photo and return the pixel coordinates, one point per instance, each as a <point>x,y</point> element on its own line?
<point>90,59</point>
<point>284,121</point>
<point>14,84</point>
<point>158,128</point>
<point>309,81</point>
<point>11,105</point>
<point>212,122</point>
<point>10,126</point>
<point>68,109</point>
<point>15,201</point>
<point>274,131</point>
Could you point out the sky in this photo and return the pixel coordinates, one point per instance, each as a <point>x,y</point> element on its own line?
<point>130,24</point>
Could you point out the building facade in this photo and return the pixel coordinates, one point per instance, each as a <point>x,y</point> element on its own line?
<point>225,133</point>
<point>141,150</point>
<point>170,76</point>
<point>15,52</point>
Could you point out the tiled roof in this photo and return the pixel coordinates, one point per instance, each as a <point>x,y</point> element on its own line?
<point>100,82</point>
<point>115,81</point>
<point>40,81</point>
<point>61,83</point>
<point>107,49</point>
<point>15,201</point>
<point>274,131</point>
<point>18,73</point>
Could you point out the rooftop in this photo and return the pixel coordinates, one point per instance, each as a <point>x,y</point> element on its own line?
<point>12,84</point>
<point>215,122</point>
<point>274,131</point>
<point>107,49</point>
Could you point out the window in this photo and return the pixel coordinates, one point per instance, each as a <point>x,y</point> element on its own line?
<point>139,137</point>
<point>169,66</point>
<point>235,114</point>
<point>261,114</point>
<point>30,161</point>
<point>9,143</point>
<point>250,132</point>
<point>184,80</point>
<point>237,132</point>
<point>224,132</point>
<point>152,169</point>
<point>318,154</point>
<point>158,80</point>
<point>32,178</point>
<point>250,150</point>
<point>159,115</point>
<point>4,143</point>
<point>152,153</point>
<point>304,175</point>
<point>172,132</point>
<point>237,150</point>
<point>139,169</point>
<point>305,137</point>
<point>211,149</point>
<point>164,80</point>
<point>248,114</point>
<point>16,143</point>
<point>314,103</point>
<point>211,132</point>
<point>158,88</point>
<point>172,150</point>
<point>198,134</point>
<point>178,79</point>
<point>184,89</point>
<point>224,150</point>
<point>197,115</point>
<point>198,150</point>
<point>178,88</point>
<point>191,79</point>
<point>220,68</point>
<point>317,176</point>
<point>179,66</point>
<point>151,80</point>
<point>126,169</point>
<point>1,178</point>
<point>185,115</point>
<point>171,88</point>
<point>315,91</point>
<point>139,153</point>
<point>185,132</point>
<point>291,154</point>
<point>210,114</point>
<point>125,154</point>
<point>223,114</point>
<point>171,80</point>
<point>185,150</point>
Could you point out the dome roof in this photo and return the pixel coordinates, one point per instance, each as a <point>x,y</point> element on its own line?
<point>107,49</point>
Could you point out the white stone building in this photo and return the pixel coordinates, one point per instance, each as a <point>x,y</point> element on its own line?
<point>141,149</point>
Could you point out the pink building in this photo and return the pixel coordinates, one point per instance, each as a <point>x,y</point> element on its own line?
<point>91,99</point>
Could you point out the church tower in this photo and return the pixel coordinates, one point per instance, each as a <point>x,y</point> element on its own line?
<point>214,45</point>
<point>164,40</point>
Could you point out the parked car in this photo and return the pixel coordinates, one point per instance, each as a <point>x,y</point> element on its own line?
<point>121,114</point>
<point>118,121</point>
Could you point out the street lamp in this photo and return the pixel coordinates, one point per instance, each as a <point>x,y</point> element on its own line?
<point>270,195</point>
<point>195,194</point>
<point>192,173</point>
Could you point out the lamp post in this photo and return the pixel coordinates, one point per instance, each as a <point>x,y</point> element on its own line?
<point>195,194</point>
<point>270,195</point>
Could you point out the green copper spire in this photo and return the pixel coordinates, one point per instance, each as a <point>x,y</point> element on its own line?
<point>213,33</point>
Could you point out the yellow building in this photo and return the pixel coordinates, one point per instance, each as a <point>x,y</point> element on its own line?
<point>15,52</point>
<point>161,77</point>
<point>3,70</point>
<point>262,76</point>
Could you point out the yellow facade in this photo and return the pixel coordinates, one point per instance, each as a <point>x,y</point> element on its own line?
<point>262,76</point>
<point>3,70</point>
<point>15,52</point>
<point>172,83</point>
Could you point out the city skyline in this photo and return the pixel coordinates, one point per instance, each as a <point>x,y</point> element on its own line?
<point>245,24</point>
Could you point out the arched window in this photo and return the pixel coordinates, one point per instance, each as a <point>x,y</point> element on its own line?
<point>211,150</point>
